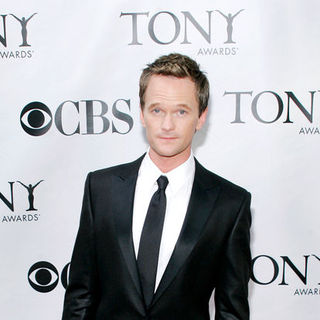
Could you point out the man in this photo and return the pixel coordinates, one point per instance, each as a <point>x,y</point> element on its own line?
<point>158,235</point>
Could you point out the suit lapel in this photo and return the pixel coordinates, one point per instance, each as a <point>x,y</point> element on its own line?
<point>123,197</point>
<point>202,199</point>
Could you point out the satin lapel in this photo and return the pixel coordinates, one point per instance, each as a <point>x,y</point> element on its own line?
<point>202,199</point>
<point>123,197</point>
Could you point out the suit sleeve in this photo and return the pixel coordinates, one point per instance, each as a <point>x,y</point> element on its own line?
<point>231,294</point>
<point>81,293</point>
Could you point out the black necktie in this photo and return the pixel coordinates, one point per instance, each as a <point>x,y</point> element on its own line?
<point>150,240</point>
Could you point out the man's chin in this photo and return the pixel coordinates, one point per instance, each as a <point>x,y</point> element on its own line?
<point>168,153</point>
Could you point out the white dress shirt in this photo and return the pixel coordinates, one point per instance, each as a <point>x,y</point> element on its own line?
<point>177,193</point>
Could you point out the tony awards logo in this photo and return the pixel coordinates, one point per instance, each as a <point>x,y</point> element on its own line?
<point>7,30</point>
<point>186,28</point>
<point>29,205</point>
<point>30,188</point>
<point>23,21</point>
<point>229,18</point>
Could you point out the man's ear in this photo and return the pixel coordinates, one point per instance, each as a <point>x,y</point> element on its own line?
<point>202,119</point>
<point>142,116</point>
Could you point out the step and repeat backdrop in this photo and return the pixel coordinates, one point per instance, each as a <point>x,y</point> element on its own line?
<point>69,105</point>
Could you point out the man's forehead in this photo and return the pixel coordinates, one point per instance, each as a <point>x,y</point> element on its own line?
<point>170,84</point>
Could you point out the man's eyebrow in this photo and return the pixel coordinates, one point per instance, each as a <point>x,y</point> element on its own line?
<point>183,105</point>
<point>155,104</point>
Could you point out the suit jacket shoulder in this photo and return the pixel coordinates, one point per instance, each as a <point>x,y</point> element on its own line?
<point>100,177</point>
<point>209,179</point>
<point>121,169</point>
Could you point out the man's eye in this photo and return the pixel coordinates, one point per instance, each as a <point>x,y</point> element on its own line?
<point>156,110</point>
<point>182,112</point>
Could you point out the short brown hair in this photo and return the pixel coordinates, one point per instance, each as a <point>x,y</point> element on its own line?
<point>179,66</point>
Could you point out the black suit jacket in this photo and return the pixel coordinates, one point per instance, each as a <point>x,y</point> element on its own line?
<point>212,252</point>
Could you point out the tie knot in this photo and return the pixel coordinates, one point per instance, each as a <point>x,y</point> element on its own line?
<point>162,182</point>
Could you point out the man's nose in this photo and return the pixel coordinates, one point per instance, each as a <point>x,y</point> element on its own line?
<point>167,123</point>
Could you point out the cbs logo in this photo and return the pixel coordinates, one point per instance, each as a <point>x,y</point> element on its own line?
<point>84,117</point>
<point>44,276</point>
<point>36,118</point>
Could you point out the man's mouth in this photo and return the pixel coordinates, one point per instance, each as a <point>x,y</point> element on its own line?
<point>168,138</point>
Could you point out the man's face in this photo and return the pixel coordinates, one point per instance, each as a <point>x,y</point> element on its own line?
<point>171,116</point>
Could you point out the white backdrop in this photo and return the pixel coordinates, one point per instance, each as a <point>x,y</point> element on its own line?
<point>79,59</point>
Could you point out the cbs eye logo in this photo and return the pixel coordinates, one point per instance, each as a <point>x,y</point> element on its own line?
<point>36,118</point>
<point>85,117</point>
<point>44,276</point>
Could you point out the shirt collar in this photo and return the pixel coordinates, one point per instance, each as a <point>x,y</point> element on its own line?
<point>177,177</point>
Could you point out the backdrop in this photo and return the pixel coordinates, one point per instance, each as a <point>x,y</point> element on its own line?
<point>69,105</point>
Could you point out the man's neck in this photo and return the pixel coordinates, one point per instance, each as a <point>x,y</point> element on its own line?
<point>166,164</point>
